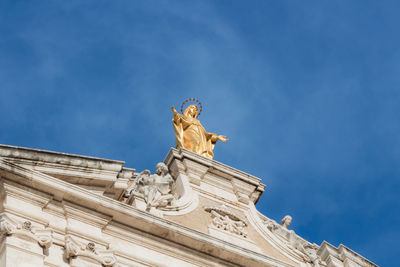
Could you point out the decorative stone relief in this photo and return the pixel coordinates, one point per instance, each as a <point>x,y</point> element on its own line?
<point>74,249</point>
<point>156,189</point>
<point>227,220</point>
<point>299,246</point>
<point>43,236</point>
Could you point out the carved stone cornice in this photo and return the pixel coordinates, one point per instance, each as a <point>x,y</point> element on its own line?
<point>139,220</point>
<point>342,256</point>
<point>74,248</point>
<point>44,237</point>
<point>244,187</point>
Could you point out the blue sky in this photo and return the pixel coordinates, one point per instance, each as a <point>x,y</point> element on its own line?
<point>307,92</point>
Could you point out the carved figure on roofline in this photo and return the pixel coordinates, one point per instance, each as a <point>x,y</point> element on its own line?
<point>156,189</point>
<point>190,134</point>
<point>286,221</point>
<point>299,246</point>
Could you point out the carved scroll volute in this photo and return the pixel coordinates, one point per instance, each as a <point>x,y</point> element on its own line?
<point>44,237</point>
<point>71,248</point>
<point>74,249</point>
<point>6,228</point>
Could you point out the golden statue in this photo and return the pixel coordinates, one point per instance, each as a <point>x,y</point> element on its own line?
<point>190,134</point>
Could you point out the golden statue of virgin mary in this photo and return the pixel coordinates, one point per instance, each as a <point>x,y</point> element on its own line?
<point>190,134</point>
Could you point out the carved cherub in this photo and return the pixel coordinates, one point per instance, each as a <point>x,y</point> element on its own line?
<point>156,189</point>
<point>138,186</point>
<point>163,186</point>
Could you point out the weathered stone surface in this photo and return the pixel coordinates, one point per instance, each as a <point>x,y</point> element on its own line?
<point>66,210</point>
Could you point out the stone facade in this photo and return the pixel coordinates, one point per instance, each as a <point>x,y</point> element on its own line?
<point>60,209</point>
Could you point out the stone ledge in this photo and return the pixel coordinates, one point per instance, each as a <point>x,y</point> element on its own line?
<point>38,155</point>
<point>246,187</point>
<point>138,219</point>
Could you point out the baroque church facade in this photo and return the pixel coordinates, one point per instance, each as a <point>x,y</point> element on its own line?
<point>61,210</point>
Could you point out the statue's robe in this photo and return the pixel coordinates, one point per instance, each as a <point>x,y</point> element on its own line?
<point>191,135</point>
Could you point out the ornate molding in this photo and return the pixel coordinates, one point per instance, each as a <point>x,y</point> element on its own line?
<point>300,247</point>
<point>226,219</point>
<point>43,236</point>
<point>74,248</point>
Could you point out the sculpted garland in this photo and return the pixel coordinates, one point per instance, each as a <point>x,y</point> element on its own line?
<point>227,220</point>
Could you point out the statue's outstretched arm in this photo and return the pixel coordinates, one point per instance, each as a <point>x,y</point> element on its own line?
<point>215,137</point>
<point>177,116</point>
<point>222,138</point>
